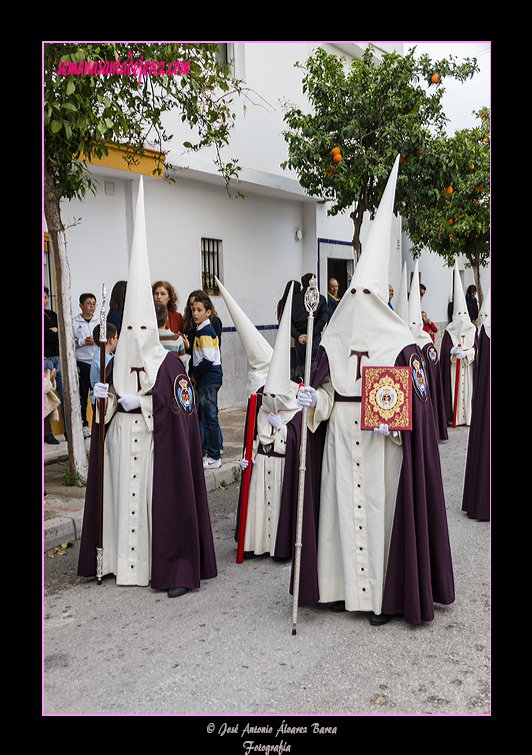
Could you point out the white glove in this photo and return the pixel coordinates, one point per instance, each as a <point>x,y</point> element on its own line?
<point>129,402</point>
<point>101,390</point>
<point>307,396</point>
<point>459,352</point>
<point>245,463</point>
<point>382,430</point>
<point>275,420</point>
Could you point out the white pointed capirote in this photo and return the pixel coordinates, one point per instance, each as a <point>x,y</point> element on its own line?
<point>258,350</point>
<point>484,318</point>
<point>415,318</point>
<point>461,329</point>
<point>279,392</point>
<point>372,268</point>
<point>364,330</point>
<point>401,302</point>
<point>139,353</point>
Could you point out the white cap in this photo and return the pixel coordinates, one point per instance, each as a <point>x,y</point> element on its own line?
<point>401,304</point>
<point>277,393</point>
<point>415,319</point>
<point>364,330</point>
<point>258,350</point>
<point>461,329</point>
<point>484,319</point>
<point>139,352</point>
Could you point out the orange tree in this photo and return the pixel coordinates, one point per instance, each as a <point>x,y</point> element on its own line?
<point>369,110</point>
<point>100,93</point>
<point>450,213</point>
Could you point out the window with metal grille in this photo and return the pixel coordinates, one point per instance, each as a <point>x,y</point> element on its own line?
<point>211,254</point>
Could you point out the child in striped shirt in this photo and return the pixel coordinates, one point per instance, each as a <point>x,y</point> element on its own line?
<point>206,376</point>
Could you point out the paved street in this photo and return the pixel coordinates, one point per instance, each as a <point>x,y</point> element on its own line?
<point>227,649</point>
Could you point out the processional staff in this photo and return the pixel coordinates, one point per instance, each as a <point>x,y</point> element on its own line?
<point>456,382</point>
<point>312,298</point>
<point>101,439</point>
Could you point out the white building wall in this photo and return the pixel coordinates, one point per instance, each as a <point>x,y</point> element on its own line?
<point>262,248</point>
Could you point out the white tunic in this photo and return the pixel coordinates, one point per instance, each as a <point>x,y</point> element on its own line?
<point>128,478</point>
<point>465,386</point>
<point>462,333</point>
<point>360,475</point>
<point>265,488</point>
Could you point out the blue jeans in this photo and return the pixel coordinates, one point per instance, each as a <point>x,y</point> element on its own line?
<point>207,398</point>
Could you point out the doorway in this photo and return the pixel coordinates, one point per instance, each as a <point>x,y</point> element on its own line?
<point>337,268</point>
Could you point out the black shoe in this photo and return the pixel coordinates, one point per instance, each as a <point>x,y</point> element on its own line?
<point>176,592</point>
<point>338,606</point>
<point>250,554</point>
<point>377,620</point>
<point>51,440</point>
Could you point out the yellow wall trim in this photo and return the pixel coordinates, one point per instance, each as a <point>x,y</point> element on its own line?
<point>144,164</point>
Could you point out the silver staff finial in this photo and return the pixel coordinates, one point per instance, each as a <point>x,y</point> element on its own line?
<point>312,295</point>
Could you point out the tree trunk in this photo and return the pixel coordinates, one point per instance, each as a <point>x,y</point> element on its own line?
<point>476,274</point>
<point>473,258</point>
<point>357,216</point>
<point>77,455</point>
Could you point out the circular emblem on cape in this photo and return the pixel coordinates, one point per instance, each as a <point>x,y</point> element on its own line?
<point>419,378</point>
<point>184,394</point>
<point>432,354</point>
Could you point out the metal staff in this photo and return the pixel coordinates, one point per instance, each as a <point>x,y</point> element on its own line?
<point>312,298</point>
<point>456,379</point>
<point>101,438</point>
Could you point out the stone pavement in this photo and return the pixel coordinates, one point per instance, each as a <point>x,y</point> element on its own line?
<point>63,505</point>
<point>227,649</point>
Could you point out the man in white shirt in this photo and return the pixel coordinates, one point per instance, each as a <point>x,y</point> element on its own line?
<point>84,324</point>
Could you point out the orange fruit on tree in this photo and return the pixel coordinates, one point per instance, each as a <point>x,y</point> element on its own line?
<point>451,221</point>
<point>337,158</point>
<point>435,78</point>
<point>335,151</point>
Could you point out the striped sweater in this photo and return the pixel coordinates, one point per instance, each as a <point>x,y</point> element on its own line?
<point>206,360</point>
